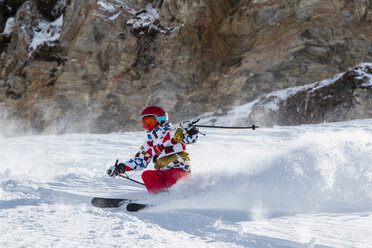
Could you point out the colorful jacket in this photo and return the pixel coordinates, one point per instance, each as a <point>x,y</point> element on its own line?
<point>169,144</point>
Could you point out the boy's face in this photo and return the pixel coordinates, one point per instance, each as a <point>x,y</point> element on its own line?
<point>149,122</point>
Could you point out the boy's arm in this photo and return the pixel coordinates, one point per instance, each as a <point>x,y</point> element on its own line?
<point>141,160</point>
<point>187,133</point>
<point>185,137</point>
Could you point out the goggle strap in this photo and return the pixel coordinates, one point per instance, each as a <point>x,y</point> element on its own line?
<point>161,118</point>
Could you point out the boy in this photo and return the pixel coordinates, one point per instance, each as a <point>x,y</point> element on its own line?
<point>166,146</point>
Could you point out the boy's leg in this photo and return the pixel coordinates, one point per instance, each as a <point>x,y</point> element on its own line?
<point>173,175</point>
<point>154,181</point>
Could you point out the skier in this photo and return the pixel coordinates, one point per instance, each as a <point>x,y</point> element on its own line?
<point>166,146</point>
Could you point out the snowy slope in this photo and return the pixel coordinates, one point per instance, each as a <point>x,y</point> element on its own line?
<point>303,186</point>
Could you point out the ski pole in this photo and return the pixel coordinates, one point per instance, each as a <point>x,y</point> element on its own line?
<point>126,177</point>
<point>253,127</point>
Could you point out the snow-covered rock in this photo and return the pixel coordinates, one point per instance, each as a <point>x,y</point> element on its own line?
<point>343,97</point>
<point>47,33</point>
<point>111,58</point>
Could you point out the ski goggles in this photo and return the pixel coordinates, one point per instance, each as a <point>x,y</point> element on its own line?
<point>150,121</point>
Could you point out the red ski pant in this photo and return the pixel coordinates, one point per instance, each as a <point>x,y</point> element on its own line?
<point>158,181</point>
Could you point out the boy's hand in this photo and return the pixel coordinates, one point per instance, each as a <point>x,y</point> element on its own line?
<point>115,170</point>
<point>189,127</point>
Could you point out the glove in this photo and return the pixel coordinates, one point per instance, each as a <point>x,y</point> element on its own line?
<point>189,127</point>
<point>115,170</point>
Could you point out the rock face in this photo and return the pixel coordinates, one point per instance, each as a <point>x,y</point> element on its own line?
<point>346,97</point>
<point>94,65</point>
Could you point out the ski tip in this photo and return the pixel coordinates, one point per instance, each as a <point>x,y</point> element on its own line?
<point>94,201</point>
<point>134,207</point>
<point>107,202</point>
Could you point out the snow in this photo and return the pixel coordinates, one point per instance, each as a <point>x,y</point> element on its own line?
<point>114,16</point>
<point>106,6</point>
<point>47,32</point>
<point>142,18</point>
<point>9,26</point>
<point>294,186</point>
<point>145,19</point>
<point>113,6</point>
<point>112,9</point>
<point>364,74</point>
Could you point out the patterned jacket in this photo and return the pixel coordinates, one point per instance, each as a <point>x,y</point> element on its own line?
<point>169,144</point>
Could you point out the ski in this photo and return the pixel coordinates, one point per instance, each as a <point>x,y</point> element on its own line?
<point>134,207</point>
<point>100,202</point>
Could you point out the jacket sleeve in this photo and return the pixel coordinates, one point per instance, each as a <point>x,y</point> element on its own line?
<point>182,136</point>
<point>141,160</point>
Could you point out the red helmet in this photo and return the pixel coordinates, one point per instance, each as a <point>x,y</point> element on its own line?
<point>153,116</point>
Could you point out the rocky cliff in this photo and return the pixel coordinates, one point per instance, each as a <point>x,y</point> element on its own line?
<point>85,65</point>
